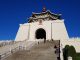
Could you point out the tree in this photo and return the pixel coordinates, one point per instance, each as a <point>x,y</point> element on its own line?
<point>65,52</point>
<point>71,51</point>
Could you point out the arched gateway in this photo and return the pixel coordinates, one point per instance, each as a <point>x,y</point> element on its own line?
<point>40,34</point>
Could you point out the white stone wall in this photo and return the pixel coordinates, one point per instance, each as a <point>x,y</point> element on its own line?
<point>59,30</point>
<point>74,42</point>
<point>22,33</point>
<point>27,30</point>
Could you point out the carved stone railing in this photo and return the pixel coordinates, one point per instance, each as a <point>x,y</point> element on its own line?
<point>8,53</point>
<point>4,43</point>
<point>8,50</point>
<point>11,48</point>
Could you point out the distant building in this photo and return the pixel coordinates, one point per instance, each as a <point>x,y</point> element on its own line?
<point>44,25</point>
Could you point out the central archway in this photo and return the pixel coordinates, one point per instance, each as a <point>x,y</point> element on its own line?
<point>40,34</point>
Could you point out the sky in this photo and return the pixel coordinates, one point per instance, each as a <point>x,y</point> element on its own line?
<point>15,12</point>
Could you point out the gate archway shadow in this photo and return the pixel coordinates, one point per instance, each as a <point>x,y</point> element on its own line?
<point>40,34</point>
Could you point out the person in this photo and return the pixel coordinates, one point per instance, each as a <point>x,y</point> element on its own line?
<point>58,52</point>
<point>38,42</point>
<point>55,46</point>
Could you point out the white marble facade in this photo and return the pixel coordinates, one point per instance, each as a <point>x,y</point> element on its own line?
<point>55,30</point>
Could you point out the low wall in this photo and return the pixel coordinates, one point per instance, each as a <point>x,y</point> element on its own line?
<point>72,41</point>
<point>6,42</point>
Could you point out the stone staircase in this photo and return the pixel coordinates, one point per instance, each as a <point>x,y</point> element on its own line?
<point>40,51</point>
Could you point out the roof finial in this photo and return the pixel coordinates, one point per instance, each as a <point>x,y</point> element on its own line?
<point>44,9</point>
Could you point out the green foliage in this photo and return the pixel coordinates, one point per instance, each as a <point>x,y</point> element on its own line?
<point>77,56</point>
<point>65,52</point>
<point>68,51</point>
<point>71,51</point>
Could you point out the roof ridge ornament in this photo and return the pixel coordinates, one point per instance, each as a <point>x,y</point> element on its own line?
<point>44,9</point>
